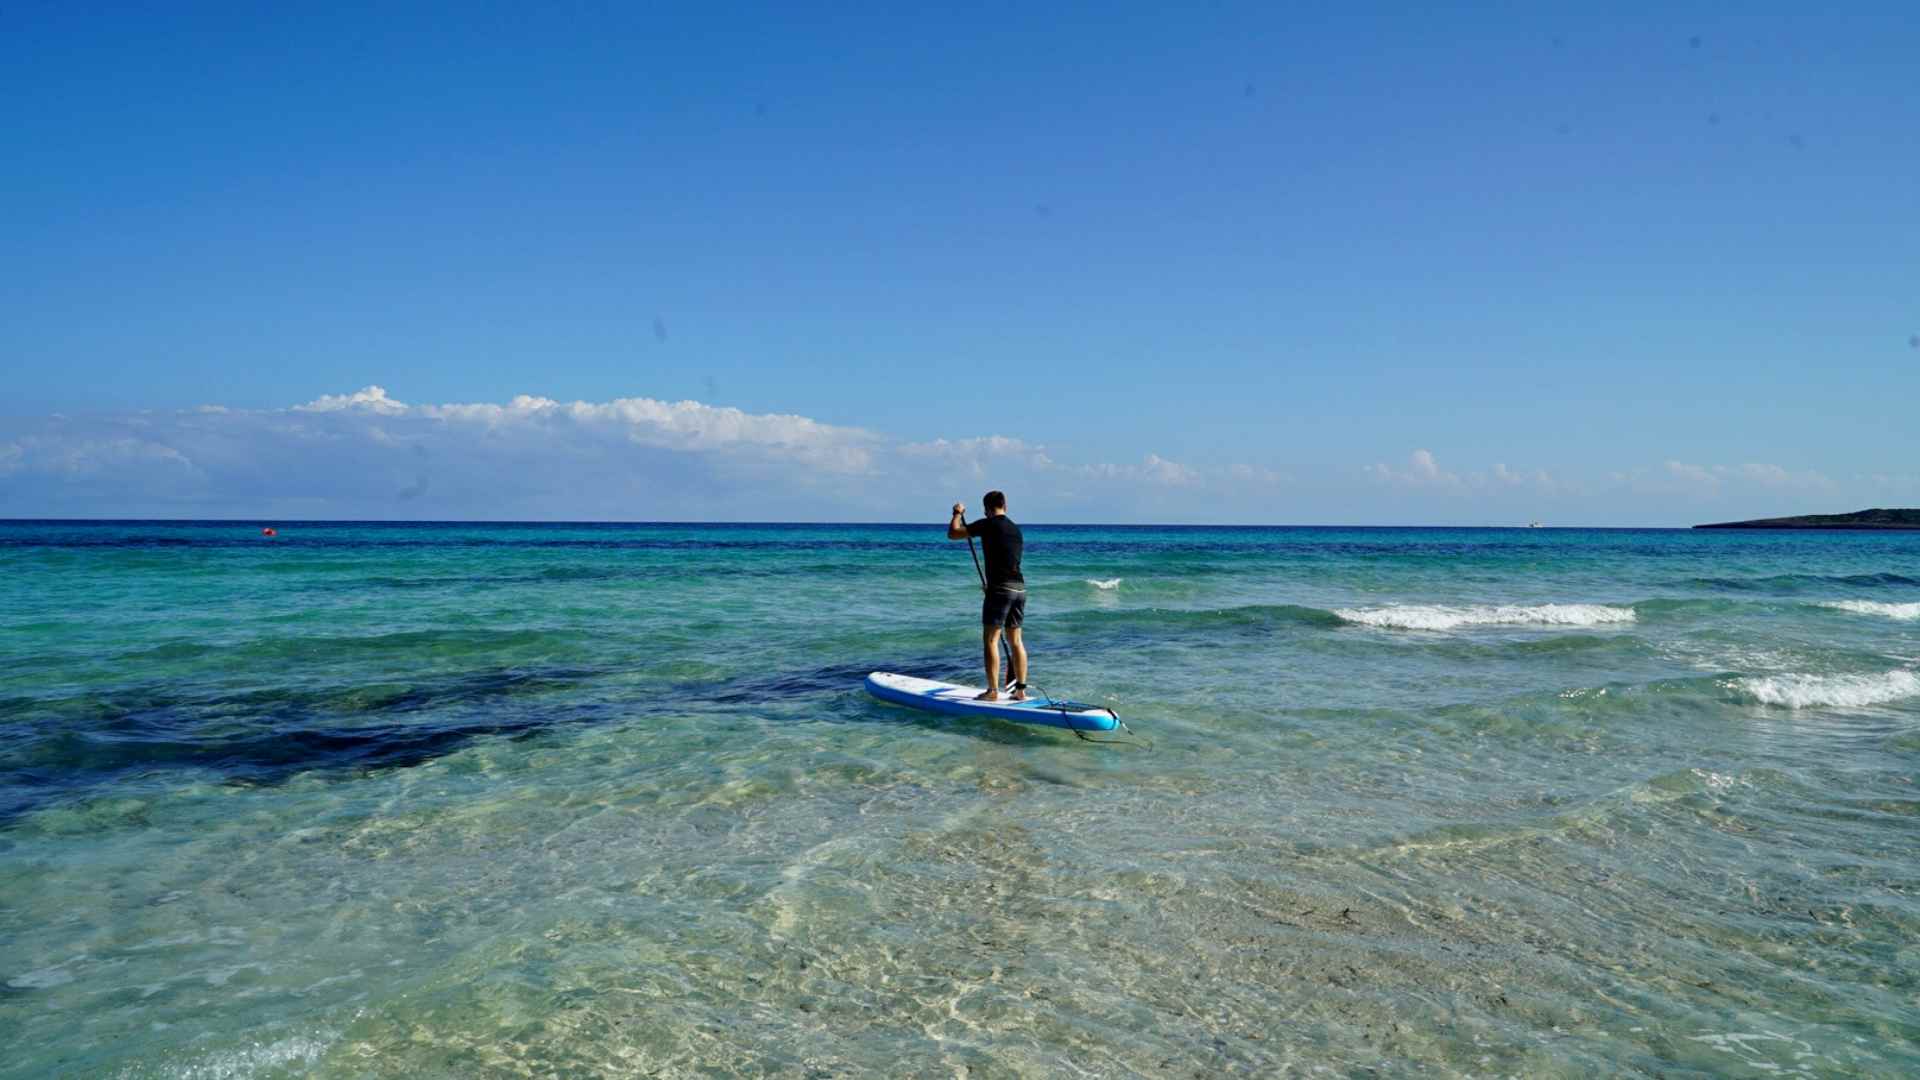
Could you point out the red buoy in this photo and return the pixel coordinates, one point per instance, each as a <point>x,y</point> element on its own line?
<point>268,532</point>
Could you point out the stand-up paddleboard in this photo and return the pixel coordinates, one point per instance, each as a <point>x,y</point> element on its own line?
<point>954,700</point>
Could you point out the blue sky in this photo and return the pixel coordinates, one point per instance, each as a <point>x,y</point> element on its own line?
<point>1240,263</point>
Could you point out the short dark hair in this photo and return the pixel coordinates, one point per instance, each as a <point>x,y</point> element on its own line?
<point>994,500</point>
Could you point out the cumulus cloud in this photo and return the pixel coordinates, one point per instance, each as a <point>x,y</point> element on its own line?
<point>1538,479</point>
<point>980,453</point>
<point>87,455</point>
<point>372,399</point>
<point>367,453</point>
<point>675,425</point>
<point>1693,474</point>
<point>688,424</point>
<point>371,454</point>
<point>1422,471</point>
<point>1162,471</point>
<point>980,445</point>
<point>973,456</point>
<point>1152,469</point>
<point>1778,477</point>
<point>1257,475</point>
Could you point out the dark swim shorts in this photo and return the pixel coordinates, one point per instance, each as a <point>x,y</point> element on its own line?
<point>1004,607</point>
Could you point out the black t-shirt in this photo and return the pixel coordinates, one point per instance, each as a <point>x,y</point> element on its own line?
<point>1002,540</point>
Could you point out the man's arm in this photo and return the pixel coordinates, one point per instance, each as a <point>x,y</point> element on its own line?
<point>957,525</point>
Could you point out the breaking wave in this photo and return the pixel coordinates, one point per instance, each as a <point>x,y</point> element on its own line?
<point>1108,584</point>
<point>1833,691</point>
<point>1875,607</point>
<point>1436,617</point>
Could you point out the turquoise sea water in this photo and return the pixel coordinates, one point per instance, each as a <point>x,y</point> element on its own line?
<point>464,800</point>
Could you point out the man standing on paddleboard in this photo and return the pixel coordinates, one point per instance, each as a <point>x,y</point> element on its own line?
<point>1005,604</point>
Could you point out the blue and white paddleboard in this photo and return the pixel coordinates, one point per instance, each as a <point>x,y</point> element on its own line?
<point>954,700</point>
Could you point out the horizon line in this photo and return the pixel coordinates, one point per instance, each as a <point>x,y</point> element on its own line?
<point>270,521</point>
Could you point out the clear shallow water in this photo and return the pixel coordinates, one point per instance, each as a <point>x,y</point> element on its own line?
<point>569,800</point>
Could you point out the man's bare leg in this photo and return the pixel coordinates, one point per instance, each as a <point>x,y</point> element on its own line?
<point>990,635</point>
<point>1019,648</point>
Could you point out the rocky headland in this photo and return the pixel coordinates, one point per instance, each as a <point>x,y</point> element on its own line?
<point>1859,519</point>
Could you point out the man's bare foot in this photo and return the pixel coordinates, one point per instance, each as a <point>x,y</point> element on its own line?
<point>987,695</point>
<point>1019,695</point>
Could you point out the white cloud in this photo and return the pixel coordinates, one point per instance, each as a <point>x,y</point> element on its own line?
<point>371,399</point>
<point>1162,471</point>
<point>677,425</point>
<point>369,454</point>
<point>978,446</point>
<point>1153,469</point>
<point>1764,475</point>
<point>1257,475</point>
<point>1693,474</point>
<point>1777,477</point>
<point>691,425</point>
<point>1538,478</point>
<point>522,407</point>
<point>977,454</point>
<point>970,459</point>
<point>96,455</point>
<point>1422,471</point>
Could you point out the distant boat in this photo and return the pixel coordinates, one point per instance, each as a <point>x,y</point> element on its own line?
<point>1533,525</point>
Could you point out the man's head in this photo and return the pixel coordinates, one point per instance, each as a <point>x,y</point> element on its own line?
<point>995,502</point>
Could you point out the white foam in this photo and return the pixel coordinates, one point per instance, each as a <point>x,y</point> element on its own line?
<point>1110,583</point>
<point>1874,607</point>
<point>1834,691</point>
<point>1435,617</point>
<point>1750,1047</point>
<point>298,1054</point>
